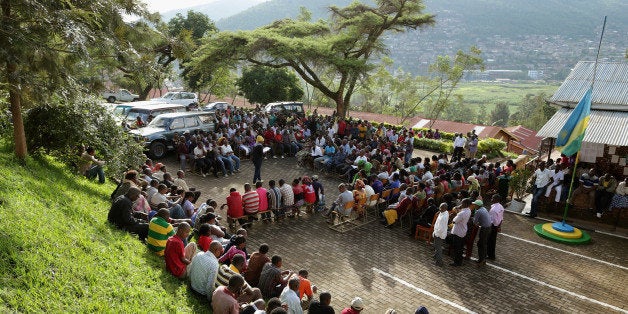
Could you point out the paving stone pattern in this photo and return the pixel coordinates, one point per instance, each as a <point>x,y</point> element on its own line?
<point>350,264</point>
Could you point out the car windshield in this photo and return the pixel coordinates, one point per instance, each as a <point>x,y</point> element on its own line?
<point>168,95</point>
<point>158,122</point>
<point>121,110</point>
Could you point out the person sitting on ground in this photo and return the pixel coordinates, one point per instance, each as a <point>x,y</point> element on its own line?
<point>90,166</point>
<point>204,237</point>
<point>256,263</point>
<point>357,305</point>
<point>237,267</point>
<point>177,254</point>
<point>208,207</point>
<point>289,297</point>
<point>272,279</point>
<point>160,170</point>
<point>217,232</point>
<point>305,288</point>
<point>121,214</point>
<point>322,306</point>
<point>237,248</point>
<point>271,305</point>
<point>203,270</point>
<point>159,230</point>
<point>224,298</point>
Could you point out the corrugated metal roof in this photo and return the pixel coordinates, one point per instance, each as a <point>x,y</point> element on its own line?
<point>610,90</point>
<point>528,137</point>
<point>605,127</point>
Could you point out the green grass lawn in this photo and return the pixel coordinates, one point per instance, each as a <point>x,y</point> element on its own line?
<point>512,94</point>
<point>59,254</point>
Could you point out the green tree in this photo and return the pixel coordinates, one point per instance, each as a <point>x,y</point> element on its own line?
<point>500,115</point>
<point>43,42</point>
<point>533,112</point>
<point>343,47</point>
<point>263,85</point>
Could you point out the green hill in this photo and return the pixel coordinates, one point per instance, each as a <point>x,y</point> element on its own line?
<point>58,254</point>
<point>545,35</point>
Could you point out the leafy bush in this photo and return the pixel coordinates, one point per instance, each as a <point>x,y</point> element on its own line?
<point>434,145</point>
<point>61,129</point>
<point>519,182</point>
<point>491,147</point>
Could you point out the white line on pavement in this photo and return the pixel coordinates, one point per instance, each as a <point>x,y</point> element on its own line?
<point>567,252</point>
<point>579,296</point>
<point>429,294</point>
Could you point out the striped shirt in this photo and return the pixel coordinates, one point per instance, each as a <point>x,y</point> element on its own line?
<point>274,198</point>
<point>250,200</point>
<point>159,230</point>
<point>224,274</point>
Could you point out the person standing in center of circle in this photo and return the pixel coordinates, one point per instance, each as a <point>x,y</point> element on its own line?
<point>257,155</point>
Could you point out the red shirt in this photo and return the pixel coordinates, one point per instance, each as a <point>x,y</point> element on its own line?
<point>269,136</point>
<point>234,204</point>
<point>310,194</point>
<point>342,126</point>
<point>204,242</point>
<point>174,253</point>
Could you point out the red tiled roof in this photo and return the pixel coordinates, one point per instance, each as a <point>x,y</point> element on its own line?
<point>527,137</point>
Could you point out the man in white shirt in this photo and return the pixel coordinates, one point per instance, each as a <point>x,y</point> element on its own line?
<point>204,268</point>
<point>459,231</point>
<point>459,143</point>
<point>440,233</point>
<point>557,183</point>
<point>542,178</point>
<point>289,296</point>
<point>497,216</point>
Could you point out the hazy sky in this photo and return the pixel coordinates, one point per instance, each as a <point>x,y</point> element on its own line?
<point>167,5</point>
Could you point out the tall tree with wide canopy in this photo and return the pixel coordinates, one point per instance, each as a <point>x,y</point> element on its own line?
<point>263,85</point>
<point>342,47</point>
<point>42,42</point>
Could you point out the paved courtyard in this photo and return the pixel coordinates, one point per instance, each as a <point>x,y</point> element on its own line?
<point>389,269</point>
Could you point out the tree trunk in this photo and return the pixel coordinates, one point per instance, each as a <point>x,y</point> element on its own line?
<point>144,93</point>
<point>16,112</point>
<point>341,107</point>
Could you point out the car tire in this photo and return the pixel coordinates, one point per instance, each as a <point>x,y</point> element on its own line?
<point>111,99</point>
<point>157,150</point>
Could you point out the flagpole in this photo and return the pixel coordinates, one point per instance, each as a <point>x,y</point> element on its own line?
<point>575,167</point>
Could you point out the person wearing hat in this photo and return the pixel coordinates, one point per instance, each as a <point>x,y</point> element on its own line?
<point>483,221</point>
<point>357,305</point>
<point>257,156</point>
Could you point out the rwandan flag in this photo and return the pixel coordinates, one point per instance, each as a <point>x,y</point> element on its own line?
<point>570,137</point>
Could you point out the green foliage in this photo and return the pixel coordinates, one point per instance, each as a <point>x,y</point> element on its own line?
<point>491,147</point>
<point>330,56</point>
<point>434,145</point>
<point>58,254</point>
<point>198,24</point>
<point>61,128</point>
<point>500,115</point>
<point>263,85</point>
<point>533,113</point>
<point>519,182</point>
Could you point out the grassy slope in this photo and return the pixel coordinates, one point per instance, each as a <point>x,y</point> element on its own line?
<point>491,94</point>
<point>59,254</point>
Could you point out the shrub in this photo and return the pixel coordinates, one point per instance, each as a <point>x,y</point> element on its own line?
<point>444,135</point>
<point>61,129</point>
<point>491,147</point>
<point>434,145</point>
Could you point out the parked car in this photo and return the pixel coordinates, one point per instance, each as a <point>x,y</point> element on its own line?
<point>120,95</point>
<point>286,108</point>
<point>157,136</point>
<point>218,106</point>
<point>187,99</point>
<point>150,111</point>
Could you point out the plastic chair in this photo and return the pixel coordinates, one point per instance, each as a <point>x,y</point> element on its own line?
<point>425,233</point>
